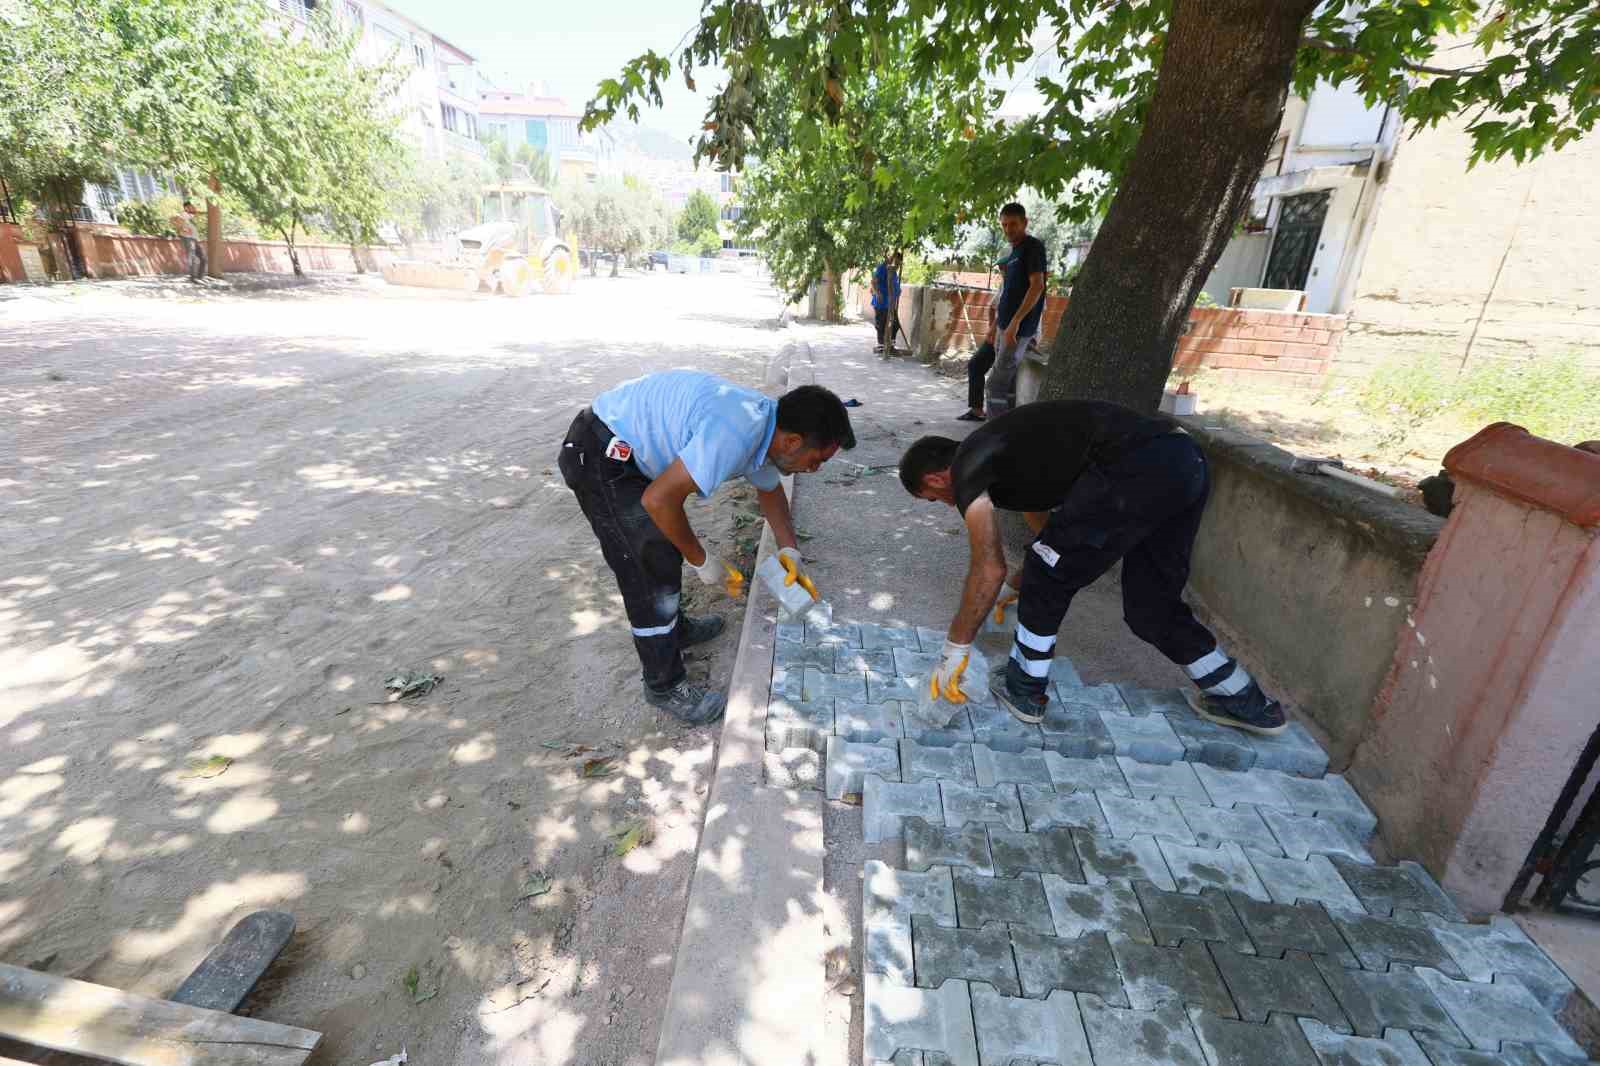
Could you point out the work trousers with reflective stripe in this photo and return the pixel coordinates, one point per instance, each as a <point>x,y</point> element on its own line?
<point>1142,507</point>
<point>649,569</point>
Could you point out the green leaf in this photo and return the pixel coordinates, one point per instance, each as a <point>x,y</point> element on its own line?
<point>211,767</point>
<point>632,835</point>
<point>601,767</point>
<point>535,885</point>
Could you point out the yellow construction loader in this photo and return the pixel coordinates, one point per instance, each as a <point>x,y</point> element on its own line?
<point>516,247</point>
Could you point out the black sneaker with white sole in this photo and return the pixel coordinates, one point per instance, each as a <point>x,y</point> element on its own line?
<point>688,703</point>
<point>1025,705</point>
<point>1251,710</point>
<point>692,631</point>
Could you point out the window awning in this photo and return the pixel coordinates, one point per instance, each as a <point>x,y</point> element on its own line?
<point>1311,179</point>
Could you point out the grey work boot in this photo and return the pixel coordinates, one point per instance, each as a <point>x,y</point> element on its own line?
<point>1025,697</point>
<point>688,703</point>
<point>1251,710</point>
<point>692,631</point>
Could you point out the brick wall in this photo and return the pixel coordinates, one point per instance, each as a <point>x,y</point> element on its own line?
<point>10,259</point>
<point>113,253</point>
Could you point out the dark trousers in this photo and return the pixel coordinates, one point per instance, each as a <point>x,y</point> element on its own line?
<point>648,568</point>
<point>197,257</point>
<point>880,318</point>
<point>1142,507</point>
<point>977,370</point>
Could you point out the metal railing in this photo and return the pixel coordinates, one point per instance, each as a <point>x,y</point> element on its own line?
<point>1567,862</point>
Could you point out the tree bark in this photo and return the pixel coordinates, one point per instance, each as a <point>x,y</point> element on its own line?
<point>1217,104</point>
<point>294,256</point>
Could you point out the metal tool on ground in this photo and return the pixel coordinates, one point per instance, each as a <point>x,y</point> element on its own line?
<point>1334,468</point>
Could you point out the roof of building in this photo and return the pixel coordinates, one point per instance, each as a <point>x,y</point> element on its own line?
<point>431,33</point>
<point>499,102</point>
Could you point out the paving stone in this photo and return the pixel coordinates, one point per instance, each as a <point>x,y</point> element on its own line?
<point>849,764</point>
<point>1101,775</point>
<point>956,730</point>
<point>1075,731</point>
<point>1146,701</point>
<point>1022,767</point>
<point>791,632</point>
<point>1176,917</point>
<point>905,1057</point>
<point>1444,1054</point>
<point>788,682</point>
<point>1076,964</point>
<point>1504,1010</point>
<point>998,805</point>
<point>1337,1049</point>
<point>1145,739</point>
<point>936,1019</point>
<point>970,954</point>
<point>874,636</point>
<point>931,640</point>
<point>889,899</point>
<point>1158,817</point>
<point>938,845</point>
<point>1314,880</point>
<point>1535,1055</point>
<point>1105,858</point>
<point>867,722</point>
<point>1229,788</point>
<point>794,655</point>
<point>879,689</point>
<point>1290,985</point>
<point>1045,851</point>
<point>1276,928</point>
<point>1227,867</point>
<point>1045,807</point>
<point>1294,751</point>
<point>1064,674</point>
<point>920,762</point>
<point>1378,942</point>
<point>821,686</point>
<point>793,768</point>
<point>1376,1002</point>
<point>909,662</point>
<point>1091,697</point>
<point>1212,744</point>
<point>799,724</point>
<point>1154,975</point>
<point>1329,797</point>
<point>994,726</point>
<point>1407,885</point>
<point>885,803</point>
<point>1159,1037</point>
<point>1215,826</point>
<point>1108,907</point>
<point>1229,1043</point>
<point>1301,837</point>
<point>1017,900</point>
<point>1481,951</point>
<point>846,634</point>
<point>879,663</point>
<point>1043,1030</point>
<point>1175,779</point>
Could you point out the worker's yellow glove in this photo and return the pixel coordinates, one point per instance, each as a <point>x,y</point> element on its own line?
<point>1007,598</point>
<point>790,560</point>
<point>716,572</point>
<point>945,680</point>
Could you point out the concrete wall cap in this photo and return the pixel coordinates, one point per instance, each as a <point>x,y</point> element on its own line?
<point>1514,463</point>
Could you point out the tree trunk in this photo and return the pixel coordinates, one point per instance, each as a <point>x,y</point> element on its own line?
<point>830,294</point>
<point>1217,103</point>
<point>615,263</point>
<point>294,255</point>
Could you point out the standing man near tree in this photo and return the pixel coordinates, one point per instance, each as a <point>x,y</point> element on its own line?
<point>1016,319</point>
<point>192,244</point>
<point>886,299</point>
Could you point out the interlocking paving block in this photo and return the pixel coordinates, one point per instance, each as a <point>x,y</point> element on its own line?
<point>1045,851</point>
<point>1076,964</point>
<point>1481,951</point>
<point>936,1019</point>
<point>921,762</point>
<point>1091,697</point>
<point>791,632</point>
<point>1399,1048</point>
<point>1290,985</point>
<point>1154,975</point>
<point>884,803</point>
<point>1021,767</point>
<point>1143,701</point>
<point>1063,673</point>
<point>993,725</point>
<point>1212,744</point>
<point>1229,788</point>
<point>1329,797</point>
<point>1108,907</point>
<point>1018,900</point>
<point>1399,999</point>
<point>858,661</point>
<point>905,1057</point>
<point>938,845</point>
<point>1175,779</point>
<point>1315,879</point>
<point>889,899</point>
<point>998,805</point>
<point>1043,1030</point>
<point>1407,885</point>
<point>957,729</point>
<point>821,686</point>
<point>874,636</point>
<point>846,634</point>
<point>931,640</point>
<point>1045,807</point>
<point>1227,867</point>
<point>793,768</point>
<point>867,722</point>
<point>850,763</point>
<point>1076,731</point>
<point>1215,826</point>
<point>1158,817</point>
<point>1176,917</point>
<point>1504,1010</point>
<point>1276,928</point>
<point>889,688</point>
<point>1145,739</point>
<point>1229,1043</point>
<point>1536,1055</point>
<point>908,662</point>
<point>794,655</point>
<point>1294,751</point>
<point>1159,1037</point>
<point>1301,837</point>
<point>1101,775</point>
<point>788,682</point>
<point>1444,1054</point>
<point>971,954</point>
<point>799,724</point>
<point>1379,941</point>
<point>1105,858</point>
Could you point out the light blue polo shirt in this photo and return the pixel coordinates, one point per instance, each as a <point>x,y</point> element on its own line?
<point>717,428</point>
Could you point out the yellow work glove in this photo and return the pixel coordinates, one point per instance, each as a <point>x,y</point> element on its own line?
<point>715,572</point>
<point>790,560</point>
<point>945,681</point>
<point>1007,598</point>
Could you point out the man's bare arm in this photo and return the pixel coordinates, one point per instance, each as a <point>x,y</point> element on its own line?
<point>986,571</point>
<point>663,501</point>
<point>775,509</point>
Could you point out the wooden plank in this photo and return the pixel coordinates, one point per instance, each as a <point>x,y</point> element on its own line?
<point>86,1019</point>
<point>234,966</point>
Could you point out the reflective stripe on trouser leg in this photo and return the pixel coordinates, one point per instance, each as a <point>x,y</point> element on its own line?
<point>1031,655</point>
<point>1217,674</point>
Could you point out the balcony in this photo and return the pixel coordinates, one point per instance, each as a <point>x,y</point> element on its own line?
<point>461,144</point>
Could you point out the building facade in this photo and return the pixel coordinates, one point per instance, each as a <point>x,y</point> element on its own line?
<point>550,125</point>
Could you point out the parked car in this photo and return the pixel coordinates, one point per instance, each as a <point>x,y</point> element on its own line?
<point>659,259</point>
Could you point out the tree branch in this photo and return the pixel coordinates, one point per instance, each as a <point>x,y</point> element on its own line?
<point>1339,49</point>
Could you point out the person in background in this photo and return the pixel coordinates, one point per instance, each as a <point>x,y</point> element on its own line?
<point>1016,319</point>
<point>886,299</point>
<point>192,244</point>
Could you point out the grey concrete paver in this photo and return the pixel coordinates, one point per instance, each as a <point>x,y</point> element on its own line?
<point>1074,964</point>
<point>858,661</point>
<point>908,662</point>
<point>1314,880</point>
<point>1084,910</point>
<point>839,634</point>
<point>1105,858</point>
<point>1157,817</point>
<point>1147,701</point>
<point>1158,1037</point>
<point>1023,767</point>
<point>1043,1030</point>
<point>1226,867</point>
<point>1045,851</point>
<point>867,722</point>
<point>1176,917</point>
<point>1092,697</point>
<point>1154,975</point>
<point>1379,942</point>
<point>898,1016</point>
<point>994,726</point>
<point>1143,738</point>
<point>874,637</point>
<point>1301,837</point>
<point>970,954</point>
<point>878,689</point>
<point>1212,744</point>
<point>992,806</point>
<point>1502,1011</point>
<point>1501,946</point>
<point>1294,751</point>
<point>1016,900</point>
<point>1407,886</point>
<point>1176,779</point>
<point>1291,985</point>
<point>1229,1043</point>
<point>849,763</point>
<point>1329,797</point>
<point>1045,808</point>
<point>1214,826</point>
<point>799,724</point>
<point>1100,775</point>
<point>821,686</point>
<point>920,762</point>
<point>1444,1054</point>
<point>885,803</point>
<point>1375,1002</point>
<point>793,768</point>
<point>1276,928</point>
<point>791,633</point>
<point>1399,1048</point>
<point>938,845</point>
<point>957,729</point>
<point>1063,673</point>
<point>796,656</point>
<point>1229,788</point>
<point>1076,731</point>
<point>889,899</point>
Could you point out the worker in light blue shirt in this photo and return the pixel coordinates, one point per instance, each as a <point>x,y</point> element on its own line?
<point>636,455</point>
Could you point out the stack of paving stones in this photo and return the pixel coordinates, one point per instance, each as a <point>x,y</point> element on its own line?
<point>1127,883</point>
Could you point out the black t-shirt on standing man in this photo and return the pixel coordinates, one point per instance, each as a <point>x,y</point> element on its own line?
<point>1026,259</point>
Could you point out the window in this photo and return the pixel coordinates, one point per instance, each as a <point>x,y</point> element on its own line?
<point>450,118</point>
<point>421,54</point>
<point>352,13</point>
<point>730,212</point>
<point>472,125</point>
<point>538,133</point>
<point>727,182</point>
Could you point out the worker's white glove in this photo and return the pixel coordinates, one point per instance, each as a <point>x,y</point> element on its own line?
<point>945,681</point>
<point>790,559</point>
<point>715,572</point>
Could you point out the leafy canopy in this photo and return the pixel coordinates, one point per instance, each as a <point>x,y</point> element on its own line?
<point>698,215</point>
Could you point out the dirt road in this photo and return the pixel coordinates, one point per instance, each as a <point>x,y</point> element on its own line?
<point>227,520</point>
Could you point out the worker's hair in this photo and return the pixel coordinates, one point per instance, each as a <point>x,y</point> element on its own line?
<point>816,414</point>
<point>188,203</point>
<point>928,456</point>
<point>1014,208</point>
